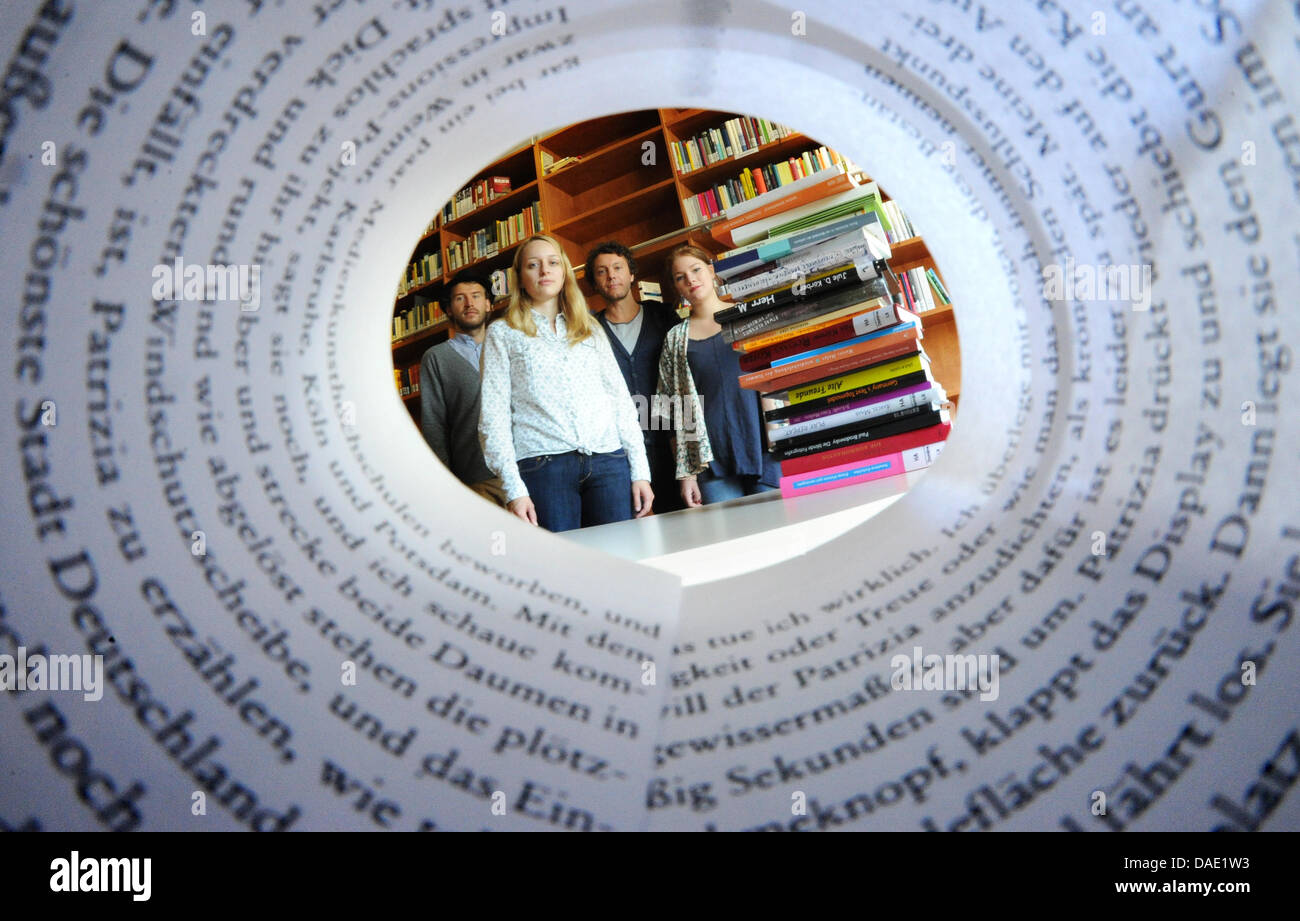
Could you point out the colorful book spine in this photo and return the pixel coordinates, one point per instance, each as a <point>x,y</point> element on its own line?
<point>838,332</point>
<point>881,306</point>
<point>858,412</point>
<point>881,336</point>
<point>890,385</point>
<point>839,361</point>
<point>754,223</point>
<point>939,289</point>
<point>858,247</point>
<point>906,422</point>
<point>871,375</point>
<point>867,449</point>
<point>810,287</point>
<point>811,324</point>
<point>875,468</point>
<point>749,258</point>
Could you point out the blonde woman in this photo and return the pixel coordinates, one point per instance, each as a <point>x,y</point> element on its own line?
<point>557,423</point>
<point>717,425</point>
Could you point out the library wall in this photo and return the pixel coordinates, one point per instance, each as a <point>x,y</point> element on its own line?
<point>304,621</point>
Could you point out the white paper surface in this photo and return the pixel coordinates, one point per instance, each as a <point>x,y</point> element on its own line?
<point>1028,135</point>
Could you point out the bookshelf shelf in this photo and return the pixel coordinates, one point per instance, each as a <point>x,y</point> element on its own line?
<point>586,139</point>
<point>502,206</point>
<point>628,209</point>
<point>420,335</point>
<point>500,259</point>
<point>697,180</point>
<point>420,289</point>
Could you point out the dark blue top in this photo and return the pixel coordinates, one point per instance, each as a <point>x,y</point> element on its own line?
<point>641,368</point>
<point>733,416</point>
<point>641,372</point>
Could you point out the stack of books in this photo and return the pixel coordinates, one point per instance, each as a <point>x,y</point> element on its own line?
<point>824,333</point>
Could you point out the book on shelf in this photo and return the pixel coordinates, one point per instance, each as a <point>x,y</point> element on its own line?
<point>881,427</point>
<point>938,287</point>
<point>416,318</point>
<point>551,165</point>
<point>733,138</point>
<point>475,196</point>
<point>422,271</point>
<point>900,228</point>
<point>916,289</point>
<point>862,471</point>
<point>863,450</point>
<point>649,291</point>
<point>898,344</point>
<point>740,197</point>
<point>486,242</point>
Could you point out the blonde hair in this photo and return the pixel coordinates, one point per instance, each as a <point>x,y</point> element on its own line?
<point>573,304</point>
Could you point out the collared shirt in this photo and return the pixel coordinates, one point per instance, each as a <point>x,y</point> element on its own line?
<point>542,395</point>
<point>471,351</point>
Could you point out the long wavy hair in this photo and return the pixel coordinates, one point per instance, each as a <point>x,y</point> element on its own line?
<point>573,305</point>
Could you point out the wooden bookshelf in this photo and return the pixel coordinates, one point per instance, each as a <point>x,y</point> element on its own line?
<point>624,187</point>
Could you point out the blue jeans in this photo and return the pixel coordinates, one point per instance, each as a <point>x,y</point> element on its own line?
<point>574,490</point>
<point>720,489</point>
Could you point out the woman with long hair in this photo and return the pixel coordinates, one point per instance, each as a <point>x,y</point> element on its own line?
<point>717,425</point>
<point>557,422</point>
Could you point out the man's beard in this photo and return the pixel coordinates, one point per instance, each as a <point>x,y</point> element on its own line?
<point>468,329</point>
<point>610,299</point>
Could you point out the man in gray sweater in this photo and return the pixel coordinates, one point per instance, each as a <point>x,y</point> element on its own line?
<point>449,389</point>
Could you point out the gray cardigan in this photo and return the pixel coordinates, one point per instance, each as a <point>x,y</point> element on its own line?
<point>449,407</point>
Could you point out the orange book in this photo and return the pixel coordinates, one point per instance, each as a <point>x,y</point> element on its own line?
<point>833,185</point>
<point>849,358</point>
<point>865,353</point>
<point>811,325</point>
